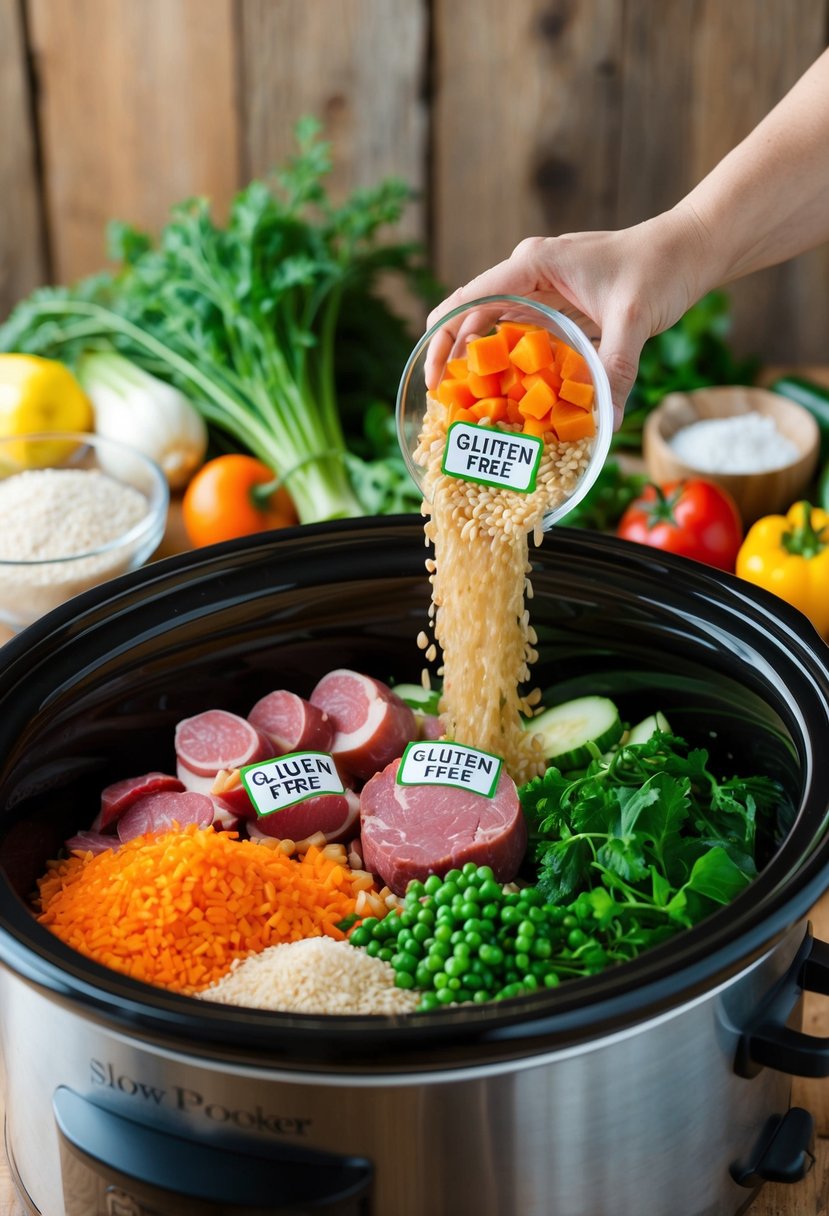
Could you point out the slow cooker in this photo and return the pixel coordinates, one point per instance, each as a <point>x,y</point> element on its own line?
<point>661,1086</point>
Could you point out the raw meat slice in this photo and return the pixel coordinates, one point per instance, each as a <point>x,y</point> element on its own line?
<point>412,831</point>
<point>218,739</point>
<point>227,786</point>
<point>91,842</point>
<point>224,818</point>
<point>291,723</point>
<point>335,815</point>
<point>158,812</point>
<point>431,727</point>
<point>372,724</point>
<point>116,798</point>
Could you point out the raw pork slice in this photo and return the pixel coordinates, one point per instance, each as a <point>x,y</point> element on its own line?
<point>335,815</point>
<point>372,724</point>
<point>412,831</point>
<point>218,739</point>
<point>291,723</point>
<point>91,842</point>
<point>158,812</point>
<point>118,797</point>
<point>227,786</point>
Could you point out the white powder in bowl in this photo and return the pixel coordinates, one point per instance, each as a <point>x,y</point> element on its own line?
<point>49,515</point>
<point>743,443</point>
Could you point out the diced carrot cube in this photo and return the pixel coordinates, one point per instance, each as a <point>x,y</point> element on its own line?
<point>513,412</point>
<point>577,394</point>
<point>494,408</point>
<point>571,422</point>
<point>484,386</point>
<point>509,379</point>
<point>536,426</point>
<point>514,331</point>
<point>537,401</point>
<point>548,374</point>
<point>533,351</point>
<point>457,369</point>
<point>455,392</point>
<point>488,355</point>
<point>457,413</point>
<point>574,367</point>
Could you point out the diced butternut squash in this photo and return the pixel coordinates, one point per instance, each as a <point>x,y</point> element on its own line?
<point>538,400</point>
<point>574,367</point>
<point>513,411</point>
<point>493,408</point>
<point>537,426</point>
<point>457,369</point>
<point>512,384</point>
<point>533,351</point>
<point>458,414</point>
<point>488,355</point>
<point>577,394</point>
<point>549,375</point>
<point>571,422</point>
<point>484,386</point>
<point>514,331</point>
<point>455,392</point>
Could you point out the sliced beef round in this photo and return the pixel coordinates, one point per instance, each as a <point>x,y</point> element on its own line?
<point>412,831</point>
<point>159,812</point>
<point>218,739</point>
<point>335,815</point>
<point>291,723</point>
<point>118,797</point>
<point>91,842</point>
<point>372,725</point>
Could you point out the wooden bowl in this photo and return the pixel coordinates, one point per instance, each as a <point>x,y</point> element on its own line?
<point>766,493</point>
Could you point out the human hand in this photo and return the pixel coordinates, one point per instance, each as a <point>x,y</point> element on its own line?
<point>619,287</point>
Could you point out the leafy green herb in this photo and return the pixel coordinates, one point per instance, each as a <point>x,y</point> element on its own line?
<point>646,840</point>
<point>247,319</point>
<point>608,498</point>
<point>691,354</point>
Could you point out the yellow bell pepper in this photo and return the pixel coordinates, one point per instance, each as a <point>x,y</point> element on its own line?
<point>39,395</point>
<point>789,555</point>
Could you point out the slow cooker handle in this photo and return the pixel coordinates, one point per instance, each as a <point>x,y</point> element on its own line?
<point>769,1043</point>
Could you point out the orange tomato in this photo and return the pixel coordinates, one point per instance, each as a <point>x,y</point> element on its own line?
<point>221,501</point>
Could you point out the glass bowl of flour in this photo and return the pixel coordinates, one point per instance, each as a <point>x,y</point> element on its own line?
<point>76,510</point>
<point>756,444</point>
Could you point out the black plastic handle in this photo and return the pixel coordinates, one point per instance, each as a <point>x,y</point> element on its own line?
<point>769,1042</point>
<point>114,1164</point>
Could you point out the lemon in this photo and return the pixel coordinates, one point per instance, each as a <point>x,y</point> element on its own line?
<point>39,395</point>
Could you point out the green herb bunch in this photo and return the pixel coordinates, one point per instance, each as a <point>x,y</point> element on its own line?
<point>646,840</point>
<point>252,321</point>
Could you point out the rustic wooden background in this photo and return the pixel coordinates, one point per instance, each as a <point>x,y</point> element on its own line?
<point>510,119</point>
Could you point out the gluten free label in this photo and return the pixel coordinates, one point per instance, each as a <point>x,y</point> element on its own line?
<point>277,784</point>
<point>491,457</point>
<point>453,764</point>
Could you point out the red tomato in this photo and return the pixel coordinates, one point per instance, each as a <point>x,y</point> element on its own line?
<point>226,498</point>
<point>693,518</point>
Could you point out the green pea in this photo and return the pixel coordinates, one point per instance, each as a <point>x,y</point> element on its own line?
<point>423,976</point>
<point>526,928</point>
<point>425,916</point>
<point>462,950</point>
<point>463,995</point>
<point>432,884</point>
<point>403,979</point>
<point>522,961</point>
<point>489,891</point>
<point>576,938</point>
<point>415,891</point>
<point>480,997</point>
<point>473,940</point>
<point>360,937</point>
<point>523,945</point>
<point>569,921</point>
<point>510,915</point>
<point>452,876</point>
<point>469,870</point>
<point>434,961</point>
<point>485,873</point>
<point>551,980</point>
<point>386,954</point>
<point>373,948</point>
<point>445,997</point>
<point>542,948</point>
<point>370,923</point>
<point>488,927</point>
<point>468,910</point>
<point>530,982</point>
<point>440,981</point>
<point>454,983</point>
<point>403,961</point>
<point>491,955</point>
<point>428,1001</point>
<point>443,933</point>
<point>537,915</point>
<point>455,967</point>
<point>421,933</point>
<point>490,911</point>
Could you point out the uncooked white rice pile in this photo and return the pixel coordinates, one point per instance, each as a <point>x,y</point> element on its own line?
<point>314,975</point>
<point>480,579</point>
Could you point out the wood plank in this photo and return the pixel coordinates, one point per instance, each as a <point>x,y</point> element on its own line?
<point>22,251</point>
<point>525,125</point>
<point>745,57</point>
<point>365,85</point>
<point>137,111</point>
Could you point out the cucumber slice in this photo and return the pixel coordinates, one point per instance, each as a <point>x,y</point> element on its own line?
<point>567,728</point>
<point>424,700</point>
<point>642,731</point>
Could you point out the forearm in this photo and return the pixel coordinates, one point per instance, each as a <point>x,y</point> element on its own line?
<point>768,199</point>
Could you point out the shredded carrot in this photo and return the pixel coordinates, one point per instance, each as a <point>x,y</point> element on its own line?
<point>176,909</point>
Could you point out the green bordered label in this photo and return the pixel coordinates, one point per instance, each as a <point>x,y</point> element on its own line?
<point>453,764</point>
<point>492,457</point>
<point>276,784</point>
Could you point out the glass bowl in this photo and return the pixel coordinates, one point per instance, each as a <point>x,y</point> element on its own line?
<point>77,510</point>
<point>449,339</point>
